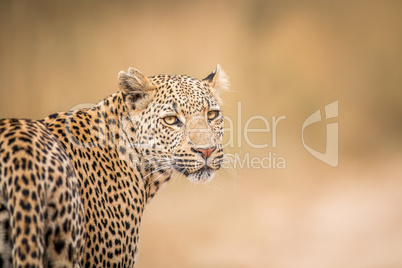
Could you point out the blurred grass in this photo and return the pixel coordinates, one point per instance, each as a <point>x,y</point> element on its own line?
<point>286,58</point>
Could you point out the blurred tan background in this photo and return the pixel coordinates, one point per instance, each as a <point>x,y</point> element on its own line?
<point>284,58</point>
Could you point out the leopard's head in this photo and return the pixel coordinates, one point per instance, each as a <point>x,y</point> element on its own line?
<point>179,121</point>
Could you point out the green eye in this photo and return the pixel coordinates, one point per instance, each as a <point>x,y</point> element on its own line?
<point>211,115</point>
<point>171,120</point>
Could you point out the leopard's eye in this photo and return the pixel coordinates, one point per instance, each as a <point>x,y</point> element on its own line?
<point>211,115</point>
<point>171,120</point>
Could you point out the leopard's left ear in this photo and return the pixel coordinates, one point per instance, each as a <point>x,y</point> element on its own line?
<point>218,81</point>
<point>136,87</point>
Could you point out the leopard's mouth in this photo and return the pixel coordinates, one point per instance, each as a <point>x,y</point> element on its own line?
<point>203,174</point>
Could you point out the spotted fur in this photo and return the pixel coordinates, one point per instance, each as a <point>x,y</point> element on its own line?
<point>74,185</point>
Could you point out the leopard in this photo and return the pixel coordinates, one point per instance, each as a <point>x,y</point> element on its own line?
<point>74,185</point>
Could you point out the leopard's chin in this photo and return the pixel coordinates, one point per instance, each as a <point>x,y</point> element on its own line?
<point>204,174</point>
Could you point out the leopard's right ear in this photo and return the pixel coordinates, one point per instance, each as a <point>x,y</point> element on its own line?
<point>135,86</point>
<point>134,82</point>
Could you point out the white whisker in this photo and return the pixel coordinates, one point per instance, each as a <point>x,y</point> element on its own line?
<point>160,176</point>
<point>157,170</point>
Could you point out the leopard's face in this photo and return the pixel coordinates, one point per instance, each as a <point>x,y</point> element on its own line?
<point>181,128</point>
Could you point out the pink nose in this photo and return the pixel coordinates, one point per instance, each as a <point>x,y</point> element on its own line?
<point>206,152</point>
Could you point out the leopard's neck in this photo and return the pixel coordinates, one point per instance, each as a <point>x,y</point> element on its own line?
<point>109,126</point>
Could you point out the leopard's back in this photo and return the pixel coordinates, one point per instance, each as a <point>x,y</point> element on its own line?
<point>41,213</point>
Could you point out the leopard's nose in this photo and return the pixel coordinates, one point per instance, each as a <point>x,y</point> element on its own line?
<point>205,152</point>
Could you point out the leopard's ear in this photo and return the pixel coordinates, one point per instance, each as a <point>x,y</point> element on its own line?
<point>218,81</point>
<point>136,87</point>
